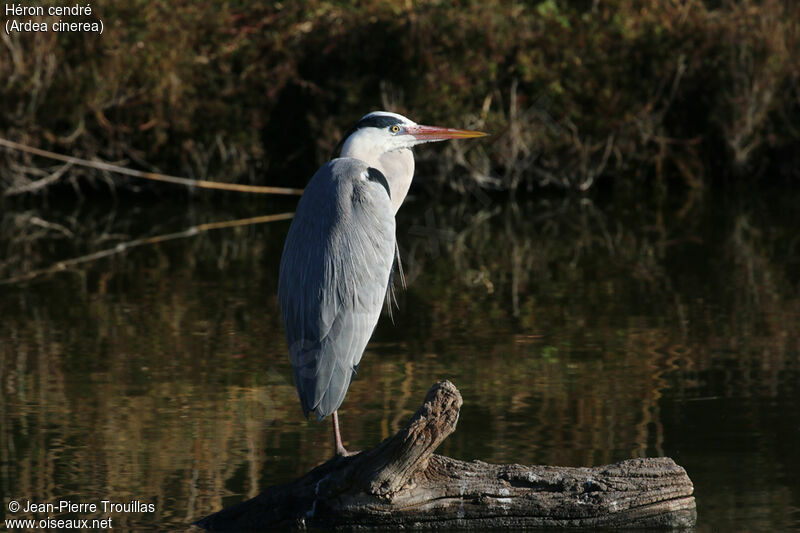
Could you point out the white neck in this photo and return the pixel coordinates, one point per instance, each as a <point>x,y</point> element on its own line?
<point>397,165</point>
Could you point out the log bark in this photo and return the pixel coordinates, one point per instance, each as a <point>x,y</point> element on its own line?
<point>402,484</point>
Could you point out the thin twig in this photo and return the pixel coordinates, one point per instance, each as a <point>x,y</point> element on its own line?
<point>203,184</point>
<point>38,184</point>
<point>124,246</point>
<point>36,221</point>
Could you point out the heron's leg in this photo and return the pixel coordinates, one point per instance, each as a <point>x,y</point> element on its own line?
<point>337,437</point>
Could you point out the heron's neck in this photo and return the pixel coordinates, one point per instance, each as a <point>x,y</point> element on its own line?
<point>396,165</point>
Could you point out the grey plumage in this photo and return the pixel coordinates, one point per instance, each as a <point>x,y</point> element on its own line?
<point>333,279</point>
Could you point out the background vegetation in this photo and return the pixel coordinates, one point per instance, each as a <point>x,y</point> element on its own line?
<point>261,92</point>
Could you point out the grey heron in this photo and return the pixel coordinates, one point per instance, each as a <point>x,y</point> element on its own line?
<point>338,256</point>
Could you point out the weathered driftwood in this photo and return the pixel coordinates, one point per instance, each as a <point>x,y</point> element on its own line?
<point>400,483</point>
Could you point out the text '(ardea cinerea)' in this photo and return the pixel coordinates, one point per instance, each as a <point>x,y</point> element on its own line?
<point>339,252</point>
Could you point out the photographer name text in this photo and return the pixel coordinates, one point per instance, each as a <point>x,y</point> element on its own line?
<point>105,506</point>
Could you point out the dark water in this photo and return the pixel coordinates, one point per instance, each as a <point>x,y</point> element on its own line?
<point>580,332</point>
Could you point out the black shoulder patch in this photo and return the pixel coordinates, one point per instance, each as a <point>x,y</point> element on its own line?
<point>373,174</point>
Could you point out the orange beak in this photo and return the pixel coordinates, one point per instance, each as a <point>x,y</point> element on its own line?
<point>435,133</point>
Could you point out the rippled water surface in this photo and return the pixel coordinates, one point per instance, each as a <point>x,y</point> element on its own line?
<point>580,332</point>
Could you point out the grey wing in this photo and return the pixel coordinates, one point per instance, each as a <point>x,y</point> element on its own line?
<point>334,276</point>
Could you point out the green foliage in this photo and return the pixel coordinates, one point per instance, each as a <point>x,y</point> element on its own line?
<point>570,90</point>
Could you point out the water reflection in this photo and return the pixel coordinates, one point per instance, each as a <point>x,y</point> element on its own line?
<point>579,333</point>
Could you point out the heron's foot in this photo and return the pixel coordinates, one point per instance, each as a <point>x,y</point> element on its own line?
<point>342,452</point>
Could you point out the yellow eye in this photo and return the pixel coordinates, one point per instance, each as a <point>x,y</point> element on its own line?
<point>395,128</point>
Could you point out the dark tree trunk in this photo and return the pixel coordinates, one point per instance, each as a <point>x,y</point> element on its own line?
<point>401,483</point>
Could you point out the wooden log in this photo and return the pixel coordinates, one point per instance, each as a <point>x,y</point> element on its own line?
<point>401,483</point>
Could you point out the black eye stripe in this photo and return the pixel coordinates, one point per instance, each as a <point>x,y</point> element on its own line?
<point>377,121</point>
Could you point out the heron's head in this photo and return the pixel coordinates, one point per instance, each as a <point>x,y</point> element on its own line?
<point>383,141</point>
<point>381,131</point>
